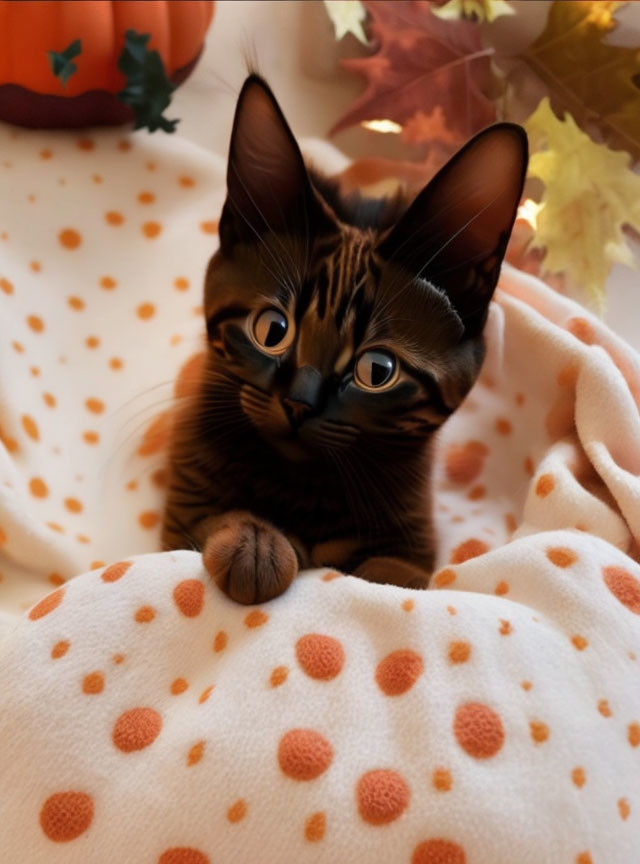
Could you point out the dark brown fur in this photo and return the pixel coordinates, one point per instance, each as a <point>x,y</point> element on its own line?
<point>281,462</point>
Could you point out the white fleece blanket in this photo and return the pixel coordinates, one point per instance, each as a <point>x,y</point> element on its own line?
<point>146,718</point>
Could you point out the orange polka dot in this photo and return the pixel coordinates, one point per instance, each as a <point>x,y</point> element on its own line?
<point>183,855</point>
<point>38,487</point>
<point>505,627</point>
<point>97,178</point>
<point>85,144</point>
<point>93,683</point>
<point>501,589</point>
<point>561,556</point>
<point>459,652</point>
<point>35,323</point>
<point>66,815</point>
<point>47,604</point>
<point>604,708</point>
<point>35,371</point>
<point>46,154</point>
<point>146,311</point>
<point>30,427</point>
<point>539,731</point>
<point>6,286</point>
<point>150,166</point>
<point>220,641</point>
<point>320,657</point>
<point>304,754</point>
<point>73,505</point>
<point>584,858</point>
<point>579,642</point>
<point>382,796</point>
<point>237,811</point>
<point>205,694</point>
<point>35,266</point>
<point>181,284</point>
<point>114,218</point>
<point>623,808</point>
<point>136,729</point>
<point>503,426</point>
<point>578,777</point>
<point>118,658</point>
<point>568,375</point>
<point>108,283</point>
<point>408,605</point>
<point>151,229</point>
<point>582,330</point>
<point>478,730</point>
<point>17,346</point>
<point>179,685</point>
<point>560,419</point>
<point>520,398</point>
<point>96,406</point>
<point>188,596</point>
<point>49,400</point>
<point>56,579</point>
<point>623,586</point>
<point>91,437</point>
<point>278,676</point>
<point>186,181</point>
<point>545,485</point>
<point>92,342</point>
<point>633,734</point>
<point>146,197</point>
<point>195,753</point>
<point>315,827</point>
<point>116,363</point>
<point>398,672</point>
<point>82,538</point>
<point>55,527</point>
<point>70,238</point>
<point>209,227</point>
<point>471,548</point>
<point>76,303</point>
<point>3,536</point>
<point>144,614</point>
<point>438,851</point>
<point>442,780</point>
<point>526,685</point>
<point>148,519</point>
<point>331,575</point>
<point>476,493</point>
<point>59,649</point>
<point>255,619</point>
<point>463,462</point>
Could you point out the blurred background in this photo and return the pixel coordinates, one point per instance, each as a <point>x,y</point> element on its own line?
<point>295,46</point>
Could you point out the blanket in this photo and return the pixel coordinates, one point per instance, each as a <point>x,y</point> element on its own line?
<point>144,717</point>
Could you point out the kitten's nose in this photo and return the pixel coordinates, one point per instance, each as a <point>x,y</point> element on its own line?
<point>304,394</point>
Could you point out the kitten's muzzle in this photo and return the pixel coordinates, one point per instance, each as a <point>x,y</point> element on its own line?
<point>305,395</point>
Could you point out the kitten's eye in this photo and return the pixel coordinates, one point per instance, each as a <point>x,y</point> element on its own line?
<point>271,331</point>
<point>376,370</point>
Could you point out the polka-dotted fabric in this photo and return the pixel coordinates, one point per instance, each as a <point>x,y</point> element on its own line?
<point>495,718</point>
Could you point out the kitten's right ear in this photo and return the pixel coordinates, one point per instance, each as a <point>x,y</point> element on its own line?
<point>268,189</point>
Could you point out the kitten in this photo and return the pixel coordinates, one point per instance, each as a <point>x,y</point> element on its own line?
<point>341,334</point>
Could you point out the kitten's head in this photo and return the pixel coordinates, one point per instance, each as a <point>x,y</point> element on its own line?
<point>333,322</point>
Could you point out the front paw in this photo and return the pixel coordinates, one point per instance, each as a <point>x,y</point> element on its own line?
<point>249,560</point>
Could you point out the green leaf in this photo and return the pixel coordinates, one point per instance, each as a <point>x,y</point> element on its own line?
<point>60,61</point>
<point>148,90</point>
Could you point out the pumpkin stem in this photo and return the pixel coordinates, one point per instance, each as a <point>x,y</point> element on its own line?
<point>61,64</point>
<point>148,89</point>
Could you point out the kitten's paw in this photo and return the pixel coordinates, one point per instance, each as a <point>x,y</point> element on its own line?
<point>250,560</point>
<point>393,571</point>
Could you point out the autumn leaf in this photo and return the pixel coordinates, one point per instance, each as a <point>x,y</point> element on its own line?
<point>476,10</point>
<point>423,128</point>
<point>598,83</point>
<point>347,16</point>
<point>423,64</point>
<point>61,61</point>
<point>590,195</point>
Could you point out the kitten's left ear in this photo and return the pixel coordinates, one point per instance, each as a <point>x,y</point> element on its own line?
<point>268,189</point>
<point>456,231</point>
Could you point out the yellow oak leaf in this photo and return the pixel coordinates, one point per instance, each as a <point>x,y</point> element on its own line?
<point>347,17</point>
<point>478,10</point>
<point>598,82</point>
<point>590,194</point>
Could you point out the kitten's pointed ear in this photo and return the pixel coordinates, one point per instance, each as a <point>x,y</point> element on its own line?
<point>456,231</point>
<point>268,189</point>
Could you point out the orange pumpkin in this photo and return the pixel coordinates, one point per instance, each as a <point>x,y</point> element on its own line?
<point>30,92</point>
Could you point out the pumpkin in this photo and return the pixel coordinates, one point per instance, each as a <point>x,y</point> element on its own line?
<point>73,63</point>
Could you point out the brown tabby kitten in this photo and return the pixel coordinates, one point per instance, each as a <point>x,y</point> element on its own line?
<point>341,335</point>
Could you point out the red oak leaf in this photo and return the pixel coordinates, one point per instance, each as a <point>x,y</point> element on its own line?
<point>423,64</point>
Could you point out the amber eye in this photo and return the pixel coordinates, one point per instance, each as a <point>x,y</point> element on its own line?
<point>376,370</point>
<point>272,331</point>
